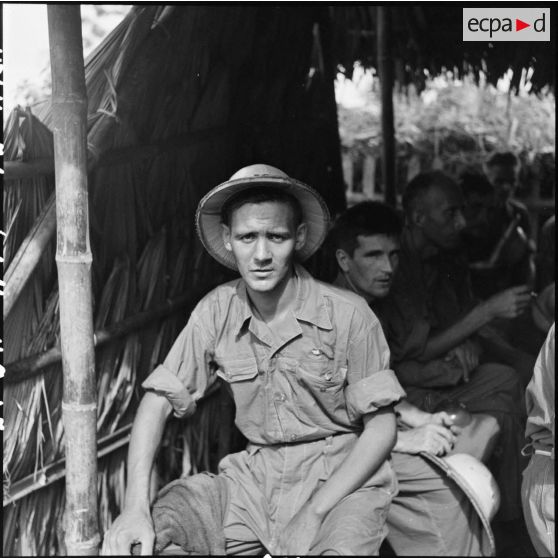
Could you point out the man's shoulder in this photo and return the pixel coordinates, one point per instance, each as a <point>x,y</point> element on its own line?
<point>343,299</point>
<point>218,299</point>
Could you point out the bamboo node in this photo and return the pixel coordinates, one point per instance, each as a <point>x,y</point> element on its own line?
<point>79,407</point>
<point>83,258</point>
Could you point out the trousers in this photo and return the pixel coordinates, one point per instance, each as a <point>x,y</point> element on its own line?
<point>431,515</point>
<point>493,389</point>
<point>537,496</point>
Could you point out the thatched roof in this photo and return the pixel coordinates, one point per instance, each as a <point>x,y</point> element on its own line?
<point>429,37</point>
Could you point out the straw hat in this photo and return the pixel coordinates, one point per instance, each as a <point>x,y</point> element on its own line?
<point>476,481</point>
<point>208,215</point>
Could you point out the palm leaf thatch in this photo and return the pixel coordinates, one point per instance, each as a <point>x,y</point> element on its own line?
<point>179,97</point>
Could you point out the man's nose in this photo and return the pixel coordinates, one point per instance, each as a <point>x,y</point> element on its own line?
<point>387,264</point>
<point>262,252</point>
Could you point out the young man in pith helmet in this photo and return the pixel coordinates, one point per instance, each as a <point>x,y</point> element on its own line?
<point>430,515</point>
<point>308,367</point>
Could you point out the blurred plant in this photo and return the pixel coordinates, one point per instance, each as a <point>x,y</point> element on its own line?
<point>455,124</point>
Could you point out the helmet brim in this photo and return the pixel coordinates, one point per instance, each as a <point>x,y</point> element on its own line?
<point>446,465</point>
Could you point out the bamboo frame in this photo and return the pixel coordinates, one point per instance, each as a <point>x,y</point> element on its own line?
<point>54,471</point>
<point>73,259</point>
<point>385,68</point>
<point>31,366</point>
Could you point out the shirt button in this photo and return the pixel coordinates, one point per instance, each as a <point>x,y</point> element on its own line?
<point>260,371</point>
<point>293,437</point>
<point>322,389</point>
<point>316,352</point>
<point>280,397</point>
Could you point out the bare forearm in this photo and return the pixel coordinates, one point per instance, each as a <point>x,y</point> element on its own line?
<point>438,345</point>
<point>147,432</point>
<point>370,451</point>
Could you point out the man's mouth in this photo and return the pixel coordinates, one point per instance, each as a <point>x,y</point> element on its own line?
<point>262,272</point>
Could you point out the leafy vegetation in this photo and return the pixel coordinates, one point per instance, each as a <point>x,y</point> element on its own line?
<point>456,124</point>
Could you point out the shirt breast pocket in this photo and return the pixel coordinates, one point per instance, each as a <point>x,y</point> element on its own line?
<point>242,376</point>
<point>317,371</point>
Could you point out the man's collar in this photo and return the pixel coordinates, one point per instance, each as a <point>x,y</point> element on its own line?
<point>310,305</point>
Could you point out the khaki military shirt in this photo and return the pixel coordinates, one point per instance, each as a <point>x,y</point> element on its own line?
<point>316,376</point>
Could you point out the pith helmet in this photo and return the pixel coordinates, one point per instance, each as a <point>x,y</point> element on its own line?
<point>208,215</point>
<point>476,481</point>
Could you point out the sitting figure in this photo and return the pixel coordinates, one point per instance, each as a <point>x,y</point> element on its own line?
<point>441,347</point>
<point>308,368</point>
<point>511,250</point>
<point>430,515</point>
<point>537,490</point>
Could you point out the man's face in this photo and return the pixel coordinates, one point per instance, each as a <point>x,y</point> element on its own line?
<point>442,217</point>
<point>504,180</point>
<point>263,239</point>
<point>372,265</point>
<point>477,212</point>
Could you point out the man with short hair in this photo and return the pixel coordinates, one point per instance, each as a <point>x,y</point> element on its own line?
<point>440,344</point>
<point>509,232</point>
<point>430,515</point>
<point>308,367</point>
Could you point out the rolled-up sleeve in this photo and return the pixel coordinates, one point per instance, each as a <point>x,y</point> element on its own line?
<point>187,371</point>
<point>371,383</point>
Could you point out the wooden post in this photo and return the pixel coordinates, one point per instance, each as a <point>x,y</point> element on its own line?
<point>73,259</point>
<point>385,69</point>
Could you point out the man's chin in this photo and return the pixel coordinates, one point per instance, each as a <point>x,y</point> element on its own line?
<point>380,292</point>
<point>262,285</point>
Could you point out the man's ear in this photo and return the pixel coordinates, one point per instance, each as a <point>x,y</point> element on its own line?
<point>417,217</point>
<point>226,234</point>
<point>300,236</point>
<point>342,259</point>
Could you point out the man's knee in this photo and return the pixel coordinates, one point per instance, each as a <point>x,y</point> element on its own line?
<point>499,376</point>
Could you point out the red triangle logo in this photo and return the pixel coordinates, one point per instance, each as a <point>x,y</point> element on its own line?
<point>519,25</point>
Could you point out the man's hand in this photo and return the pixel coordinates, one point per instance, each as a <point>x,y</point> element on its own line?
<point>432,438</point>
<point>468,355</point>
<point>129,528</point>
<point>509,303</point>
<point>299,534</point>
<point>444,419</point>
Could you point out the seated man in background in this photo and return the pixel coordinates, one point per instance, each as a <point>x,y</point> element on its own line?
<point>430,515</point>
<point>440,348</point>
<point>497,261</point>
<point>308,368</point>
<point>509,233</point>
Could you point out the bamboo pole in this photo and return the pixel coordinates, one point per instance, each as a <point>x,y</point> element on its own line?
<point>73,259</point>
<point>385,69</point>
<point>29,255</point>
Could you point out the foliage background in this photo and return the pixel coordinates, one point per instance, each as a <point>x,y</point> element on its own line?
<point>452,124</point>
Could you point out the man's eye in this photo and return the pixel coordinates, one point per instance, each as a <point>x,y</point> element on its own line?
<point>247,237</point>
<point>277,237</point>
